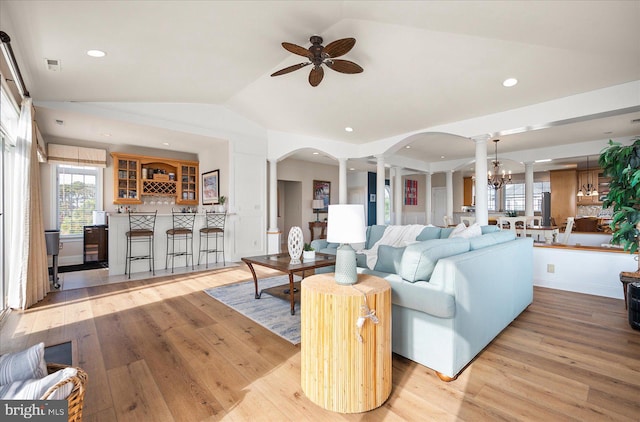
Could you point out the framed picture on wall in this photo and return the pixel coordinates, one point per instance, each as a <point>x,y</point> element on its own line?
<point>411,192</point>
<point>211,187</point>
<point>322,190</point>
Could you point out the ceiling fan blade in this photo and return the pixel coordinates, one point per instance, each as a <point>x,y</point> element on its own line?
<point>296,49</point>
<point>339,48</point>
<point>290,69</point>
<point>344,66</point>
<point>316,75</point>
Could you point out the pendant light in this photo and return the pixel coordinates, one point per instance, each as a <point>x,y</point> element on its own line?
<point>495,180</point>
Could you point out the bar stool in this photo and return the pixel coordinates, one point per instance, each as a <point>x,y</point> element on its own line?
<point>141,229</point>
<point>182,230</point>
<point>214,228</point>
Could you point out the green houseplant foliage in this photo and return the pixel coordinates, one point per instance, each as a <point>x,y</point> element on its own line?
<point>622,164</point>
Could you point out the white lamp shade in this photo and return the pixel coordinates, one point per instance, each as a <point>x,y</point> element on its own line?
<point>346,224</point>
<point>317,204</point>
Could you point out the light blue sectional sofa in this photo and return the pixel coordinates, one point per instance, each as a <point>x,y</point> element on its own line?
<point>451,296</point>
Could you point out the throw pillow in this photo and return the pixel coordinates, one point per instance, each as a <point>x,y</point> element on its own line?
<point>34,389</point>
<point>419,260</point>
<point>23,365</point>
<point>389,259</point>
<point>466,232</point>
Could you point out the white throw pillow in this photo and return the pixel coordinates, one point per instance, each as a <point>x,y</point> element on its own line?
<point>466,232</point>
<point>33,389</point>
<point>23,365</point>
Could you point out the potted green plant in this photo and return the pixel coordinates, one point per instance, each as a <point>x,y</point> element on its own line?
<point>308,253</point>
<point>222,200</point>
<point>622,164</point>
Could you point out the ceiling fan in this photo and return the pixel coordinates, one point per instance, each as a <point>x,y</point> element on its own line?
<point>319,55</point>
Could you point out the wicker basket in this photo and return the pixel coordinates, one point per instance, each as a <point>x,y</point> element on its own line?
<point>76,398</point>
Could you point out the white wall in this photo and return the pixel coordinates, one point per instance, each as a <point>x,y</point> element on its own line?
<point>594,273</point>
<point>306,172</point>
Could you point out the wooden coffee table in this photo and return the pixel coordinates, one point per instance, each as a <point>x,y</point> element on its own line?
<point>282,262</point>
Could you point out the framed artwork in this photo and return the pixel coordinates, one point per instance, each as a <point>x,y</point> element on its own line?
<point>322,190</point>
<point>410,192</point>
<point>211,187</point>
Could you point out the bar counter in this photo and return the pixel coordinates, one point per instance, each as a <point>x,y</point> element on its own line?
<point>119,225</point>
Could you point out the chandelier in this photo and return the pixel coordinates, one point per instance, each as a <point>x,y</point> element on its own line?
<point>495,179</point>
<point>590,188</point>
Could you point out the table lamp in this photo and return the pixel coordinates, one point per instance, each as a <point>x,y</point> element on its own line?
<point>346,225</point>
<point>317,205</point>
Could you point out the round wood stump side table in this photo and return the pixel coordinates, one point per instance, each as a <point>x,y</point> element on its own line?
<point>338,371</point>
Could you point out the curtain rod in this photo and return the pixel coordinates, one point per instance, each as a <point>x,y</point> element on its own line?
<point>13,64</point>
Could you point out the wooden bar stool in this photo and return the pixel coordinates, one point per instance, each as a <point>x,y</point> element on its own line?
<point>182,230</point>
<point>214,228</point>
<point>141,229</point>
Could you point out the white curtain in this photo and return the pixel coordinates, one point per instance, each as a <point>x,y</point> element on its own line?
<point>28,269</point>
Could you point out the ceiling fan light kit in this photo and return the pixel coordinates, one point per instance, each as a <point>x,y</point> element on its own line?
<point>319,55</point>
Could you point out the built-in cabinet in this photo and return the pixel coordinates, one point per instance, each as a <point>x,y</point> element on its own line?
<point>564,186</point>
<point>136,176</point>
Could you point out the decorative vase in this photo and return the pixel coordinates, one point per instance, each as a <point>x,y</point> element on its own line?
<point>308,256</point>
<point>295,242</point>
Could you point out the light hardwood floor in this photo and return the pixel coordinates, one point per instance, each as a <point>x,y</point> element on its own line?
<point>162,350</point>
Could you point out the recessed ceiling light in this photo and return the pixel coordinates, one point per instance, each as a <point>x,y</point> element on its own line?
<point>96,53</point>
<point>442,156</point>
<point>510,82</point>
<point>348,129</point>
<point>546,160</point>
<point>351,169</point>
<point>408,147</point>
<point>106,135</point>
<point>166,144</point>
<point>316,153</point>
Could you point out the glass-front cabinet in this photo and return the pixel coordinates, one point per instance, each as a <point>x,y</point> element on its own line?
<point>126,180</point>
<point>188,184</point>
<point>137,177</point>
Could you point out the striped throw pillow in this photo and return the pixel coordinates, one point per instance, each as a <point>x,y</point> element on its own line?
<point>33,389</point>
<point>23,365</point>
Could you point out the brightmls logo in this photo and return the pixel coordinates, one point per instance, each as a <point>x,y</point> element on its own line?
<point>33,410</point>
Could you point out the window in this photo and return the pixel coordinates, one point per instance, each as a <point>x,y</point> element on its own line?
<point>78,194</point>
<point>515,195</point>
<point>8,133</point>
<point>491,199</point>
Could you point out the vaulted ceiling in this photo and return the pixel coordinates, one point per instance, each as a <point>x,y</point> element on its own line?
<point>425,63</point>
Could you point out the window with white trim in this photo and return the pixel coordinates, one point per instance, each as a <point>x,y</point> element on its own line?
<point>515,195</point>
<point>78,194</point>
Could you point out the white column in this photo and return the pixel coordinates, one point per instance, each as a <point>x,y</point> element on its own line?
<point>482,200</point>
<point>380,191</point>
<point>273,233</point>
<point>528,189</point>
<point>397,196</point>
<point>449,187</point>
<point>342,181</point>
<point>427,199</point>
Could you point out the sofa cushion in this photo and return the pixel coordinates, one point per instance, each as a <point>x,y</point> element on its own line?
<point>466,232</point>
<point>490,239</point>
<point>489,229</point>
<point>34,389</point>
<point>419,259</point>
<point>389,259</point>
<point>26,364</point>
<point>374,233</point>
<point>429,232</point>
<point>445,232</point>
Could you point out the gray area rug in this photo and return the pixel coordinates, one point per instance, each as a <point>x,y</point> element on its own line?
<point>272,310</point>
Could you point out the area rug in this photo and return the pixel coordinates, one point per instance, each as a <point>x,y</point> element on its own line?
<point>272,310</point>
